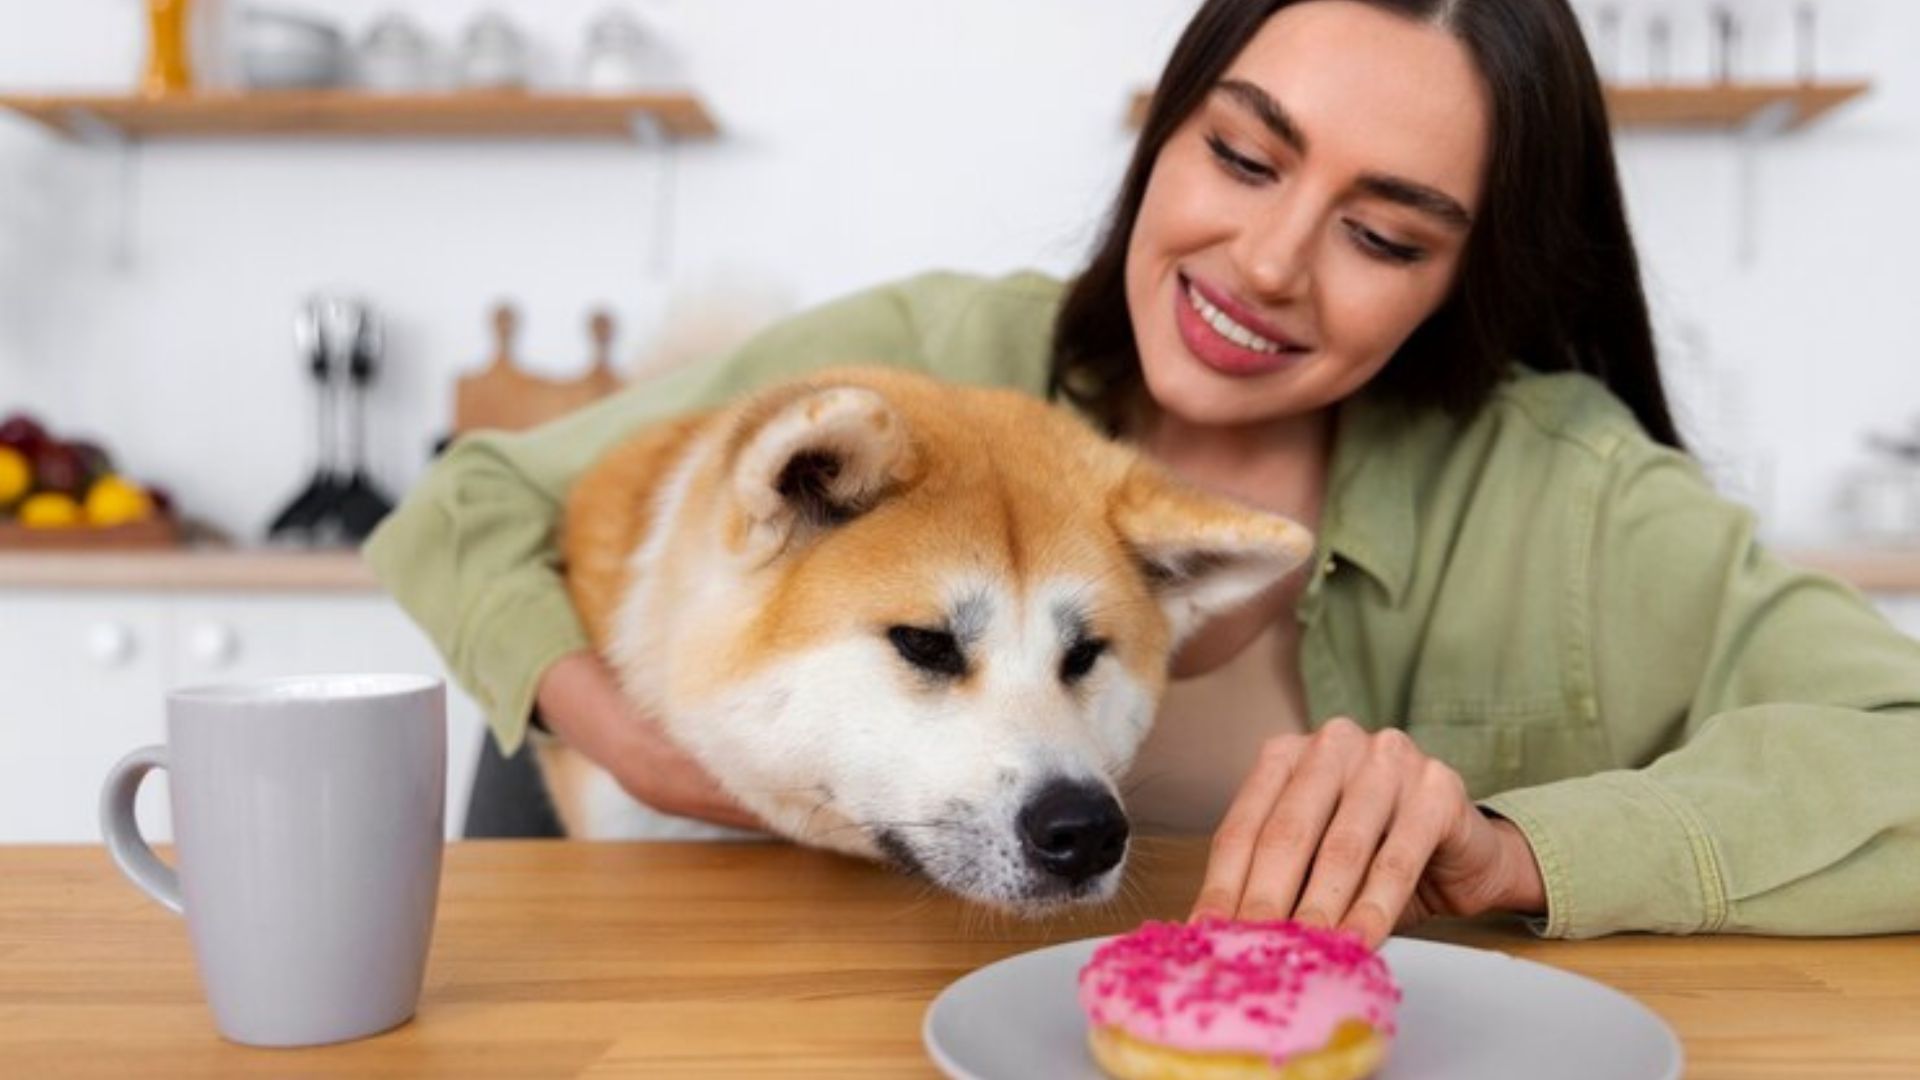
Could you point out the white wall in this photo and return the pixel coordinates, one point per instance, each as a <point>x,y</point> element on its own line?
<point>865,139</point>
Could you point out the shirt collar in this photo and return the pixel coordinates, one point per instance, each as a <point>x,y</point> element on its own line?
<point>1369,518</point>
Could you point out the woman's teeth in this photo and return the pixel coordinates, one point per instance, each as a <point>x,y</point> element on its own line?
<point>1227,328</point>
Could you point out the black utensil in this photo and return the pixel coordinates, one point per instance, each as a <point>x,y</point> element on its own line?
<point>295,523</point>
<point>361,503</point>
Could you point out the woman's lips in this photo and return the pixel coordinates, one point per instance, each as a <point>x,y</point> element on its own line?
<point>1212,348</point>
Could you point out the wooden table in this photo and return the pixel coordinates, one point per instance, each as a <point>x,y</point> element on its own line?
<point>570,959</point>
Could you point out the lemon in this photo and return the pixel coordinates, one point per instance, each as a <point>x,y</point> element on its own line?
<point>16,476</point>
<point>49,510</point>
<point>115,501</point>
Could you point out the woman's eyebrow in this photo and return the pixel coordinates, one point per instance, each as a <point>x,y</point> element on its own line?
<point>1267,111</point>
<point>1429,201</point>
<point>1416,196</point>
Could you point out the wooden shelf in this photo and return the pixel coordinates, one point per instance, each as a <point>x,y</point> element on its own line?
<point>351,114</point>
<point>1795,104</point>
<point>217,569</point>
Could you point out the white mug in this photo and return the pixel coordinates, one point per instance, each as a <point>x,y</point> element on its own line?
<point>308,816</point>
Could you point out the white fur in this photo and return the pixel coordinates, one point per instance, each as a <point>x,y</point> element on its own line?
<point>847,745</point>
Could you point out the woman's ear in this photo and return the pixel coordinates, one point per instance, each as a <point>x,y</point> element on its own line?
<point>1201,554</point>
<point>809,458</point>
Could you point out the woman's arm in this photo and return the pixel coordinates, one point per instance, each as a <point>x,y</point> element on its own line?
<point>581,702</point>
<point>1777,717</point>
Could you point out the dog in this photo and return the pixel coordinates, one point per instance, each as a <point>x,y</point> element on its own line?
<point>902,619</point>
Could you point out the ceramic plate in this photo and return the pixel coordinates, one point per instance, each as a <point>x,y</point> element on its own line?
<point>1468,1013</point>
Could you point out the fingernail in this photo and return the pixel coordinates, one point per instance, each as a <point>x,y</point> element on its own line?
<point>1311,917</point>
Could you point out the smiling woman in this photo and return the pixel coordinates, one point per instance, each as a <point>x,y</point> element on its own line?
<point>1368,269</point>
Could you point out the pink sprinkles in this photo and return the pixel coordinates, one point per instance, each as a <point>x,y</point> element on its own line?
<point>1167,977</point>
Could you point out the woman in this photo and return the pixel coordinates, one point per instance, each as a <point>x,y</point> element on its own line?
<point>1369,268</point>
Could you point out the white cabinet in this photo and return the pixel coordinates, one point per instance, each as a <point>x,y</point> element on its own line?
<point>80,679</point>
<point>83,677</point>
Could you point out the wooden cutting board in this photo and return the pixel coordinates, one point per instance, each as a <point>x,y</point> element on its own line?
<point>505,396</point>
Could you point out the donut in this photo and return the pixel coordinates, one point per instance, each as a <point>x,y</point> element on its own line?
<point>1219,999</point>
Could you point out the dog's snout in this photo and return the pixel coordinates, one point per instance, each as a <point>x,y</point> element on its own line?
<point>1073,831</point>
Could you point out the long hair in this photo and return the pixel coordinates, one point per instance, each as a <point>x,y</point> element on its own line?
<point>1549,277</point>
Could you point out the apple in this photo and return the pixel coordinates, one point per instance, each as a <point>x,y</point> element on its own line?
<point>58,467</point>
<point>22,432</point>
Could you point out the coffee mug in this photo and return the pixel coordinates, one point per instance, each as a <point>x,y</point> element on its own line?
<point>307,818</point>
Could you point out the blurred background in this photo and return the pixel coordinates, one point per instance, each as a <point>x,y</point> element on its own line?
<point>250,251</point>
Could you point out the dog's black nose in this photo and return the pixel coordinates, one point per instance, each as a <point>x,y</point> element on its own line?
<point>1073,831</point>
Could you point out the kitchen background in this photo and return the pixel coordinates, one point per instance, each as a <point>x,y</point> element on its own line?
<point>147,288</point>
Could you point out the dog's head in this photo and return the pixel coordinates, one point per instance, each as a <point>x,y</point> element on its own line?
<point>931,624</point>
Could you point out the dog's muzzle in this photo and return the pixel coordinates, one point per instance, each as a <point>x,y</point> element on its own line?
<point>1073,831</point>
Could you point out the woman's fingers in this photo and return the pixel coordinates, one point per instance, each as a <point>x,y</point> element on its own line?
<point>1429,803</point>
<point>1338,829</point>
<point>1233,842</point>
<point>1291,835</point>
<point>1346,851</point>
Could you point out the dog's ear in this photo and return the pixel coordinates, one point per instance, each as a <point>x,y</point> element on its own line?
<point>809,458</point>
<point>1201,554</point>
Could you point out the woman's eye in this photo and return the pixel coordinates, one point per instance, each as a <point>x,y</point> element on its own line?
<point>1080,659</point>
<point>1237,164</point>
<point>1372,243</point>
<point>933,651</point>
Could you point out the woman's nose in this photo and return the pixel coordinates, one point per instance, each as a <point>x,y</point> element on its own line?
<point>1274,253</point>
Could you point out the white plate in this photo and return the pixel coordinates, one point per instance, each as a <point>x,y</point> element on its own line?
<point>1468,1013</point>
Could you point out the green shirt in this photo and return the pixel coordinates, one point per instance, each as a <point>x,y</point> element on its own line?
<point>1693,735</point>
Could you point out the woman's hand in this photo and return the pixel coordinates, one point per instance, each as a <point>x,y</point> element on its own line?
<point>582,703</point>
<point>1363,832</point>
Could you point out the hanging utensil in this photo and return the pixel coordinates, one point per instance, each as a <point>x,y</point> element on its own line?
<point>361,504</point>
<point>296,522</point>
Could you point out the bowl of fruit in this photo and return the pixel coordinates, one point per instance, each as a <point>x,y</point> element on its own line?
<point>67,493</point>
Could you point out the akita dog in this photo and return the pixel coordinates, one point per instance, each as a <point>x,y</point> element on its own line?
<point>904,620</point>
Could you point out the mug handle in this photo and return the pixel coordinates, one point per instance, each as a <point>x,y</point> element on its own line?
<point>129,849</point>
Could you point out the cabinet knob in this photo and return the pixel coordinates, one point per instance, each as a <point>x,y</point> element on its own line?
<point>213,644</point>
<point>110,644</point>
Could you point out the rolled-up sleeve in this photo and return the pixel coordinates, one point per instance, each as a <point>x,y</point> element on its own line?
<point>1767,721</point>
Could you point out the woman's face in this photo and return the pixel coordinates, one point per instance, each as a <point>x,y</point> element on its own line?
<point>1308,216</point>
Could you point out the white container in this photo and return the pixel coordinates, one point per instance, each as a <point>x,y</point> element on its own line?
<point>284,50</point>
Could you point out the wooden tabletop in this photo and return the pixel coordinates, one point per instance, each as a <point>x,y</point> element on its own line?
<point>576,959</point>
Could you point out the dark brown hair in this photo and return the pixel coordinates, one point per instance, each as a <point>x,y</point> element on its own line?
<point>1549,278</point>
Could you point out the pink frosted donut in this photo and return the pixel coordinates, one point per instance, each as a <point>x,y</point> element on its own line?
<point>1191,999</point>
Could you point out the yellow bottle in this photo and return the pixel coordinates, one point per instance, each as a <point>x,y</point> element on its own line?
<point>169,71</point>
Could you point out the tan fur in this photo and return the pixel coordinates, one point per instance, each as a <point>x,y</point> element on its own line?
<point>993,482</point>
<point>608,513</point>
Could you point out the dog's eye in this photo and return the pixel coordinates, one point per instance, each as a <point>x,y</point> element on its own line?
<point>930,650</point>
<point>1079,659</point>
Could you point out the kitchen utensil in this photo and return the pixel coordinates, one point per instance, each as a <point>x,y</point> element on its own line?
<point>506,397</point>
<point>493,54</point>
<point>1659,49</point>
<point>285,50</point>
<point>1803,28</point>
<point>341,504</point>
<point>361,504</point>
<point>395,56</point>
<point>600,379</point>
<point>1607,55</point>
<point>297,521</point>
<point>1726,38</point>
